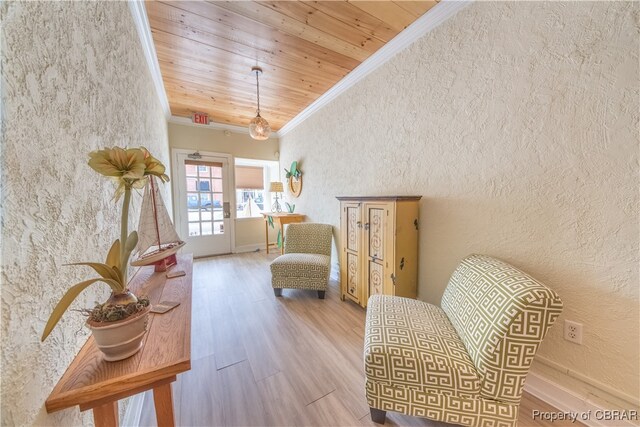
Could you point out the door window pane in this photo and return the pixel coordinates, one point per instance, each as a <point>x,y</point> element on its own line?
<point>191,170</point>
<point>205,201</point>
<point>217,185</point>
<point>205,215</point>
<point>217,200</point>
<point>191,184</point>
<point>194,215</point>
<point>218,215</point>
<point>192,201</point>
<point>206,228</point>
<point>194,229</point>
<point>216,172</point>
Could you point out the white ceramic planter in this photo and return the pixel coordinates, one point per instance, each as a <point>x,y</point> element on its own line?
<point>121,339</point>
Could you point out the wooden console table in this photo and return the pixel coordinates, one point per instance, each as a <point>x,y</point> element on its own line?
<point>281,219</point>
<point>92,383</point>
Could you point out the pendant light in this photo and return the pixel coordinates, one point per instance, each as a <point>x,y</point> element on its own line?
<point>258,127</point>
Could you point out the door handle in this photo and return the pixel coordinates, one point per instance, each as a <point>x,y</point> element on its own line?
<point>226,211</point>
<point>366,226</point>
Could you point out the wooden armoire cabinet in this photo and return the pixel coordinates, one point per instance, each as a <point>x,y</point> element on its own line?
<point>379,247</point>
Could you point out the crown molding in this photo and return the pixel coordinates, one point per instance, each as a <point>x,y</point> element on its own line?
<point>421,26</point>
<point>141,22</point>
<point>179,120</point>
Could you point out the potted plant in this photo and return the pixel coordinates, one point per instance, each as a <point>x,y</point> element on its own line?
<point>119,324</point>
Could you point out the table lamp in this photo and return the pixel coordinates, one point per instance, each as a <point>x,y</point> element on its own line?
<point>276,187</point>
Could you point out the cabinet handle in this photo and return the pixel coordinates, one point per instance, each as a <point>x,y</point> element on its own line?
<point>359,224</point>
<point>393,279</point>
<point>366,226</point>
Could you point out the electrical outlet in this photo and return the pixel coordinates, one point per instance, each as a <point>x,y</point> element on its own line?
<point>573,331</point>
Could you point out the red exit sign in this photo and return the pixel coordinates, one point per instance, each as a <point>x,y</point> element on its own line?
<point>201,118</point>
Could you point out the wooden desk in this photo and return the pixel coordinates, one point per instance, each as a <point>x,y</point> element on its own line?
<point>92,383</point>
<point>280,218</point>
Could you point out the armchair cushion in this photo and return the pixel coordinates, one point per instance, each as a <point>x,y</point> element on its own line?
<point>300,271</point>
<point>412,344</point>
<point>308,238</point>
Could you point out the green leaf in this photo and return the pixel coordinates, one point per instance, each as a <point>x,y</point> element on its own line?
<point>290,208</point>
<point>68,298</point>
<point>270,221</point>
<point>279,239</point>
<point>102,269</point>
<point>294,167</point>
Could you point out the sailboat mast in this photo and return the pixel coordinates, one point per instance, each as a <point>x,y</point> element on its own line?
<point>155,210</point>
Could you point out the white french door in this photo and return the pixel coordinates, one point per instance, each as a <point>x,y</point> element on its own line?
<point>202,197</point>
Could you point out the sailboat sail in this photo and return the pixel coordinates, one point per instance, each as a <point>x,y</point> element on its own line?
<point>155,229</point>
<point>251,208</point>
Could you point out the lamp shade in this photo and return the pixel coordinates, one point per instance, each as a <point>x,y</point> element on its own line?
<point>276,187</point>
<point>259,128</point>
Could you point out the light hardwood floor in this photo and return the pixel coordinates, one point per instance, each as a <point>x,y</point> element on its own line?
<point>258,360</point>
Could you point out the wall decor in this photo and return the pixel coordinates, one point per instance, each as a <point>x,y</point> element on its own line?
<point>294,179</point>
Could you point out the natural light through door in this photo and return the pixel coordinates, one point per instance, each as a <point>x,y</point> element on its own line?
<point>203,208</point>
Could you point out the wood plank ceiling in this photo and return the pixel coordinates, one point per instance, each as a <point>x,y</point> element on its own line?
<point>206,50</point>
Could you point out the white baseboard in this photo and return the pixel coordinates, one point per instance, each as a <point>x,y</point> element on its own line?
<point>133,414</point>
<point>589,413</point>
<point>248,248</point>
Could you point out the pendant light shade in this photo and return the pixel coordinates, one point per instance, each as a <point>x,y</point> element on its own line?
<point>258,127</point>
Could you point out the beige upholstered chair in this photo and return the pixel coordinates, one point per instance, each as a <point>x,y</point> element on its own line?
<point>464,363</point>
<point>307,259</point>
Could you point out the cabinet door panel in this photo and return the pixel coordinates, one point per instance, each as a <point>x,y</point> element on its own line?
<point>353,220</point>
<point>376,232</point>
<point>352,275</point>
<point>376,279</point>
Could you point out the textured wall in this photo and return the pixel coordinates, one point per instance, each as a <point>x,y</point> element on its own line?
<point>518,124</point>
<point>74,79</point>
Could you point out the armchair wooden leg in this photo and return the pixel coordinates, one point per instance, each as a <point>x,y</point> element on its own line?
<point>277,292</point>
<point>378,416</point>
<point>321,294</point>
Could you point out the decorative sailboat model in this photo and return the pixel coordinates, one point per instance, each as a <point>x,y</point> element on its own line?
<point>158,241</point>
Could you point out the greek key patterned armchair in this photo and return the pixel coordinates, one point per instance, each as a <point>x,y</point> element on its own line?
<point>464,363</point>
<point>307,259</point>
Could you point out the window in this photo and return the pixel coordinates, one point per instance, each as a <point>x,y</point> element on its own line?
<point>252,178</point>
<point>204,198</point>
